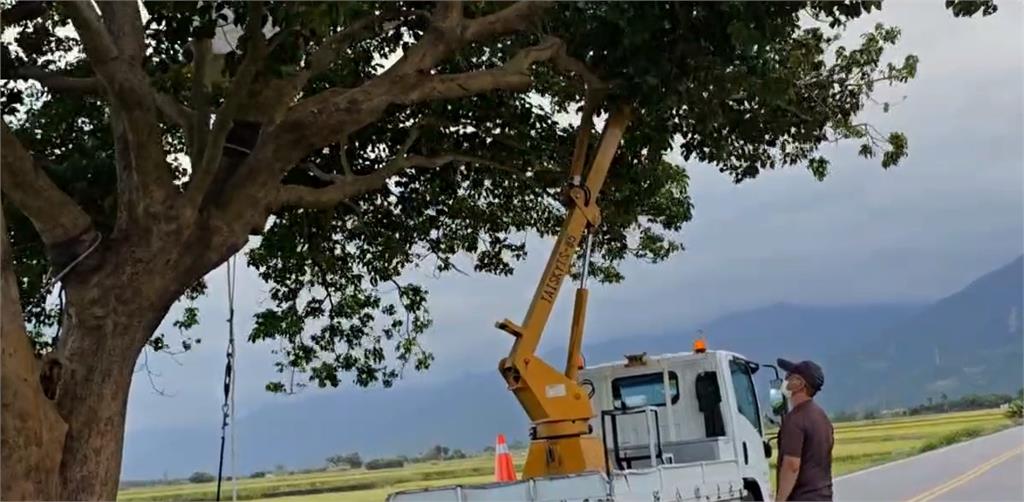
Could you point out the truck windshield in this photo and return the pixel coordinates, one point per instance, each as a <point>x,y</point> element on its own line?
<point>746,395</point>
<point>644,390</point>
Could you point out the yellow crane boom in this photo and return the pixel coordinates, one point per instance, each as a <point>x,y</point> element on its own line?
<point>558,407</point>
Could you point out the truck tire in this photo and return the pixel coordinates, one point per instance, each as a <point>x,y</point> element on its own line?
<point>753,490</point>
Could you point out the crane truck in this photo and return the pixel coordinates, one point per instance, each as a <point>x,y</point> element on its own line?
<point>684,426</point>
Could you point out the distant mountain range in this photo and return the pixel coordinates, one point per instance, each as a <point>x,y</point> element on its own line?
<point>969,342</point>
<point>874,356</point>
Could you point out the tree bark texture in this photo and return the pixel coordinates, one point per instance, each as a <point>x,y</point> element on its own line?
<point>64,413</point>
<point>31,430</point>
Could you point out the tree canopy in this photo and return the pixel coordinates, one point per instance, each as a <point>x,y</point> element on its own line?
<point>472,152</point>
<point>144,144</point>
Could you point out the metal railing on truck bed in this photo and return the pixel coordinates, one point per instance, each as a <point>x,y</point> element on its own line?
<point>700,481</point>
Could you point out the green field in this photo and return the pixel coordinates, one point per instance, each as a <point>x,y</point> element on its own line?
<point>858,445</point>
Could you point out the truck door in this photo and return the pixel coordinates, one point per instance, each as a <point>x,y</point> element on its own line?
<point>749,428</point>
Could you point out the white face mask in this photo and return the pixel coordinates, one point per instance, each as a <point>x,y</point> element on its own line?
<point>787,395</point>
<point>784,389</point>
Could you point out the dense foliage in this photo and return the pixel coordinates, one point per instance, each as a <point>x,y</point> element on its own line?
<point>745,86</point>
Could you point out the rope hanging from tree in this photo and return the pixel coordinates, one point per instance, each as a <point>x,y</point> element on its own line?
<point>228,409</point>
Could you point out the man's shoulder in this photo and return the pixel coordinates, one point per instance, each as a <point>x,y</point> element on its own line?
<point>808,410</point>
<point>816,409</point>
<point>816,414</point>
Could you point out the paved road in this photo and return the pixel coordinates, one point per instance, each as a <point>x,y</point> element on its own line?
<point>988,469</point>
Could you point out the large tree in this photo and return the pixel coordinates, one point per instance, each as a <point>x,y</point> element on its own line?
<point>358,140</point>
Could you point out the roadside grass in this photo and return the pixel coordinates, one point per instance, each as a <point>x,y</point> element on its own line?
<point>379,494</point>
<point>859,445</point>
<point>954,437</point>
<point>434,473</point>
<point>863,444</point>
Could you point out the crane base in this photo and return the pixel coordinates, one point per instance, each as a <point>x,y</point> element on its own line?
<point>568,455</point>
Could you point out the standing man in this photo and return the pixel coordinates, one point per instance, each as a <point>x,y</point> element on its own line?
<point>805,437</point>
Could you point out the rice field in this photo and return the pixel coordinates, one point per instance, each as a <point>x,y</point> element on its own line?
<point>858,445</point>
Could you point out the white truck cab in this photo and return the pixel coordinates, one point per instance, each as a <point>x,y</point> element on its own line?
<point>680,427</point>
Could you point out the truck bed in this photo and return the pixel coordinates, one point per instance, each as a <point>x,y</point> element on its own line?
<point>703,481</point>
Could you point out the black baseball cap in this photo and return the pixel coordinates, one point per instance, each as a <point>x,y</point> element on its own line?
<point>808,370</point>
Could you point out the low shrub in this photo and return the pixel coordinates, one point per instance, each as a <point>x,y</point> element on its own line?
<point>384,463</point>
<point>201,477</point>
<point>1016,409</point>
<point>953,437</point>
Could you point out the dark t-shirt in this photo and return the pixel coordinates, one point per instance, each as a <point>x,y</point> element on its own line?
<point>806,433</point>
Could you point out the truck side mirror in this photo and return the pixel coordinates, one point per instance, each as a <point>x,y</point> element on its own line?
<point>777,401</point>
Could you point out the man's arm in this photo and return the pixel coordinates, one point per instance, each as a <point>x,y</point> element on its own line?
<point>791,445</point>
<point>789,467</point>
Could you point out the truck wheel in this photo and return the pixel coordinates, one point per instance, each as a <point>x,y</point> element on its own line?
<point>753,490</point>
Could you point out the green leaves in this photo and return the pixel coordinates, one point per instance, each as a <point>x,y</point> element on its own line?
<point>897,150</point>
<point>818,166</point>
<point>331,311</point>
<point>745,86</point>
<point>968,8</point>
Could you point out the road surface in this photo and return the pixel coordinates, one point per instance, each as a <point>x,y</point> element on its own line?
<point>986,469</point>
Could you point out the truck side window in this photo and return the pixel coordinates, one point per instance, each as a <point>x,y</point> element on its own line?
<point>709,402</point>
<point>644,390</point>
<point>746,396</point>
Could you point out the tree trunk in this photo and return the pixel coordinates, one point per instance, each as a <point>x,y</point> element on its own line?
<point>32,435</point>
<point>106,325</point>
<point>64,415</point>
<point>93,400</point>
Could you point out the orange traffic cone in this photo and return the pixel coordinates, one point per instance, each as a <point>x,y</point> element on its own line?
<point>504,471</point>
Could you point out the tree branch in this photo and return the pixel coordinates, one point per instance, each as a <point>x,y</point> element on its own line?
<point>410,89</point>
<point>144,178</point>
<point>60,83</point>
<point>160,391</point>
<point>55,82</point>
<point>445,261</point>
<point>449,31</point>
<point>441,39</point>
<point>320,119</point>
<point>509,20</point>
<point>513,75</point>
<point>344,188</point>
<point>23,11</point>
<point>324,56</point>
<point>273,99</point>
<point>124,23</point>
<point>465,159</point>
<point>202,49</point>
<point>565,63</point>
<point>255,53</point>
<point>99,46</point>
<point>175,112</point>
<point>345,166</point>
<point>56,217</point>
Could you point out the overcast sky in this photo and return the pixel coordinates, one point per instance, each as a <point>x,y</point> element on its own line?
<point>951,212</point>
